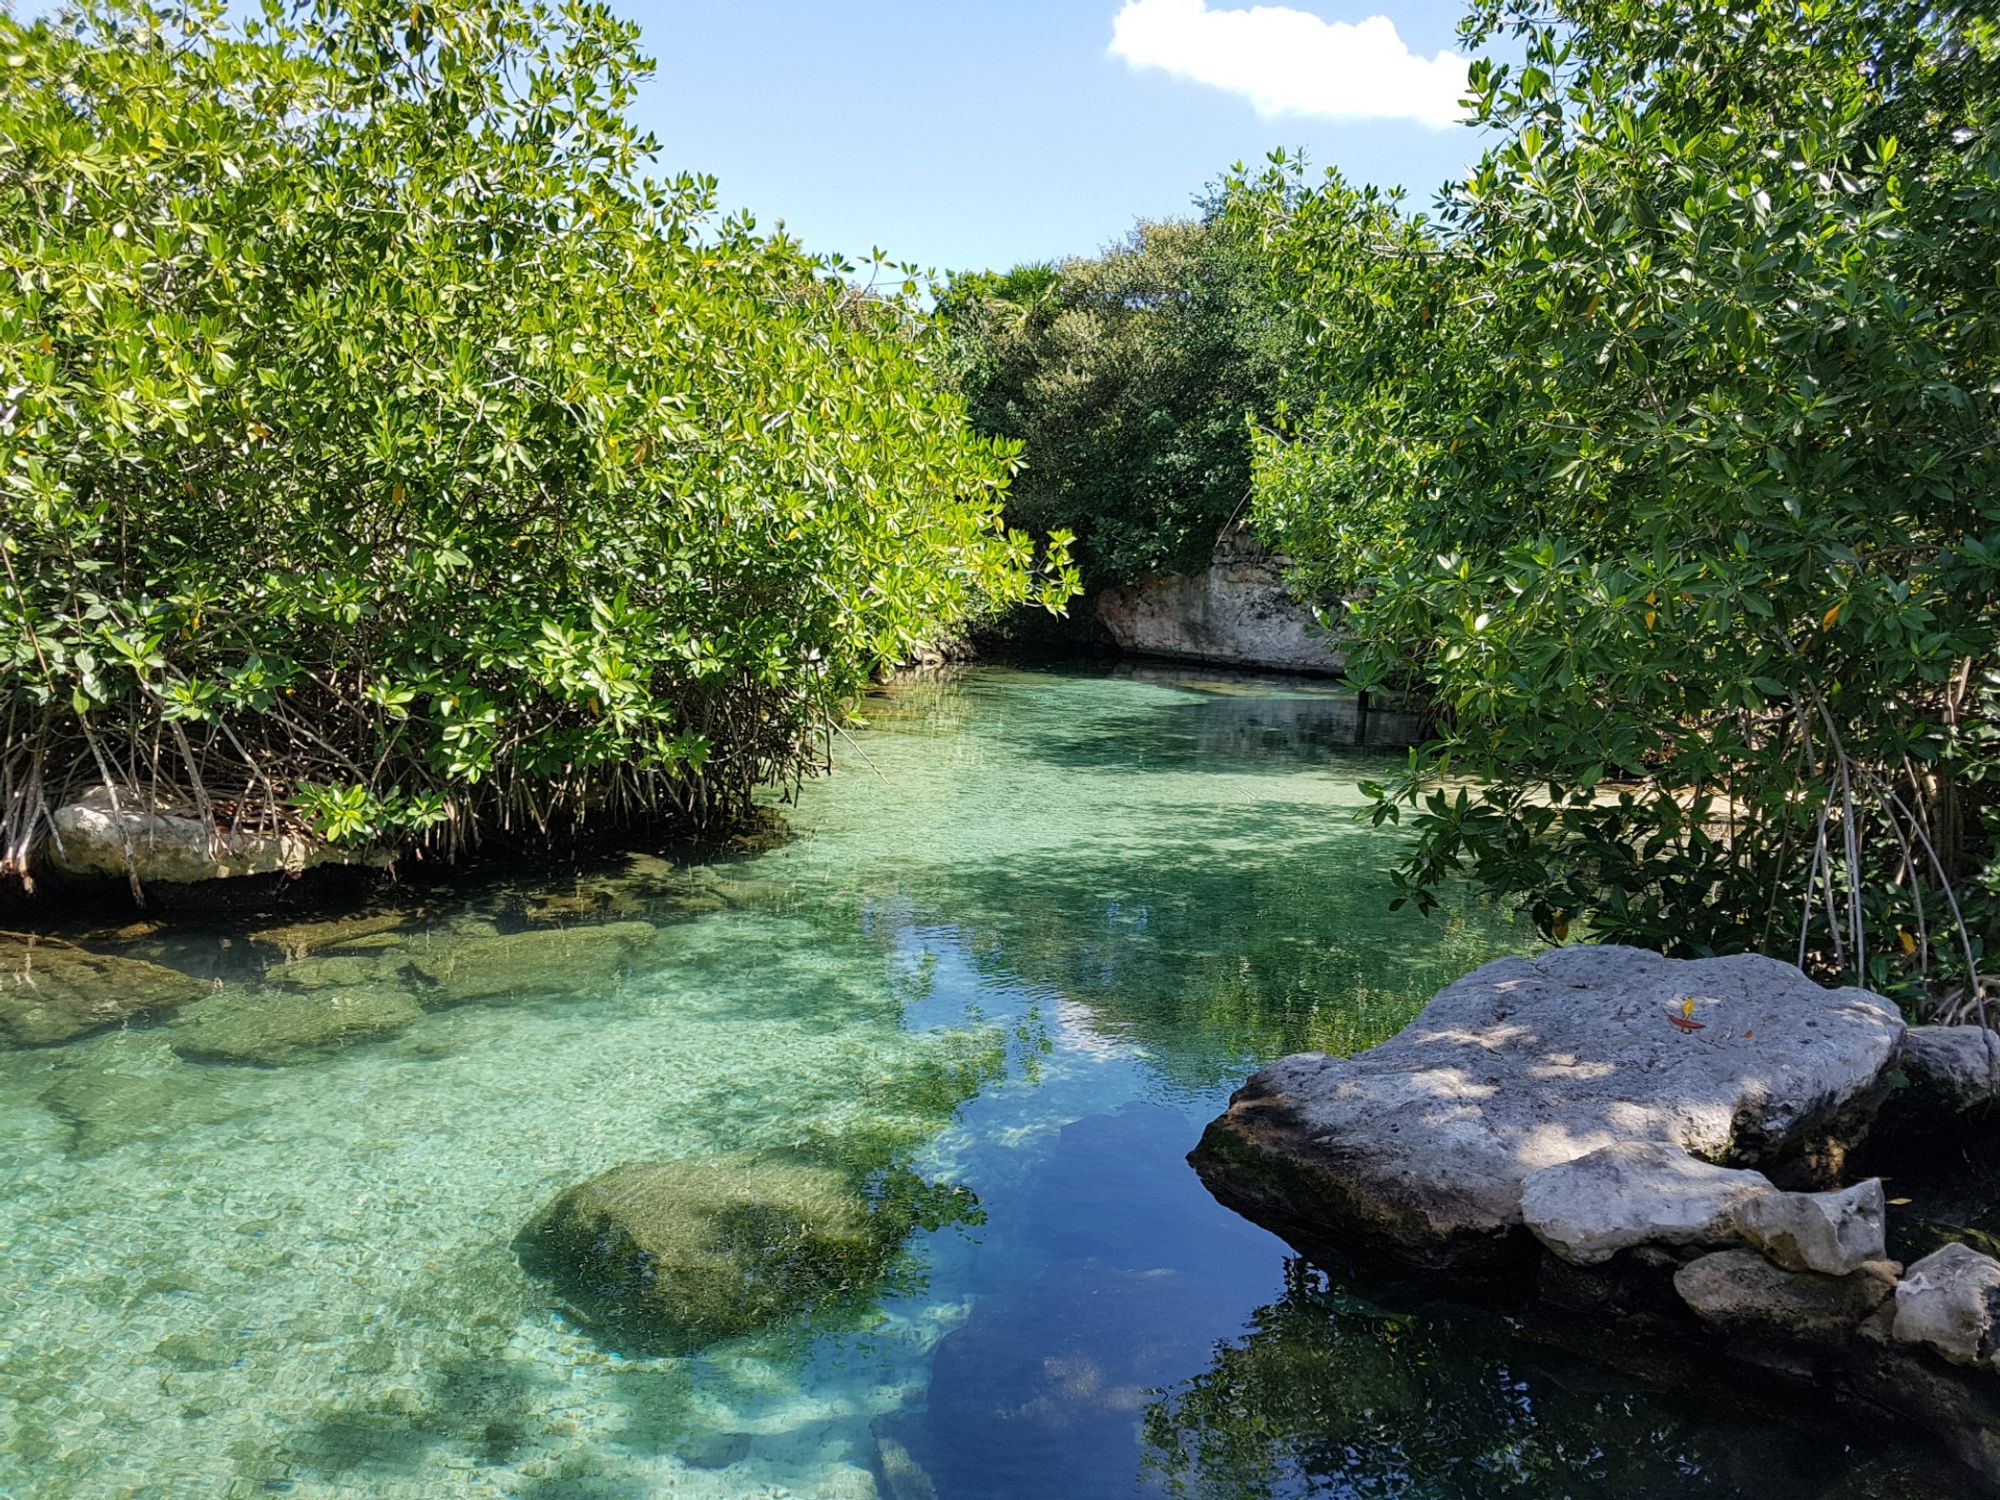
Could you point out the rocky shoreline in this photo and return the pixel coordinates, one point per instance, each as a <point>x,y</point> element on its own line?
<point>1650,1160</point>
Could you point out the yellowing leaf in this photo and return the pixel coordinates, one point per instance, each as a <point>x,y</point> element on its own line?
<point>1830,618</point>
<point>1909,943</point>
<point>1687,1007</point>
<point>1650,617</point>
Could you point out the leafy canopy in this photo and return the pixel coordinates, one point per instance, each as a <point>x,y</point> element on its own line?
<point>382,451</point>
<point>1663,458</point>
<point>1128,377</point>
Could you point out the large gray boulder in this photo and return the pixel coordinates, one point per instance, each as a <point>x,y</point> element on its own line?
<point>1421,1146</point>
<point>1950,1302</point>
<point>1635,1193</point>
<point>1953,1068</point>
<point>1832,1233</point>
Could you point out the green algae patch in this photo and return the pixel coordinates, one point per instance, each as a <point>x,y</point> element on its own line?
<point>53,992</point>
<point>674,1255</point>
<point>274,1029</point>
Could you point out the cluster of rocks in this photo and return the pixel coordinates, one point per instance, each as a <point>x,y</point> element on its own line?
<point>1606,1130</point>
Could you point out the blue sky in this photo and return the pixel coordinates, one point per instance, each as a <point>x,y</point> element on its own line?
<point>973,133</point>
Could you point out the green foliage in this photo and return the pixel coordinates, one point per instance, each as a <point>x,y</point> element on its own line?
<point>381,451</point>
<point>1664,458</point>
<point>1128,378</point>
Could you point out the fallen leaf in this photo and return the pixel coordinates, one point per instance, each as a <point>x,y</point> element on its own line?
<point>1686,1025</point>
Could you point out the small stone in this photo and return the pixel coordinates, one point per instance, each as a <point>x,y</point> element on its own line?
<point>1634,1193</point>
<point>1956,1068</point>
<point>1832,1233</point>
<point>1948,1302</point>
<point>194,1351</point>
<point>1741,1292</point>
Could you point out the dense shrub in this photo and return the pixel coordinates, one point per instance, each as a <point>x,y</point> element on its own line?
<point>1128,376</point>
<point>381,452</point>
<point>1664,457</point>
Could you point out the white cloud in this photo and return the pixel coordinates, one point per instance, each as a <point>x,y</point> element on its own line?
<point>1289,62</point>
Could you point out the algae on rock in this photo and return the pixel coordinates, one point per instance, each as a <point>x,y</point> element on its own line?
<point>52,991</point>
<point>276,1029</point>
<point>678,1254</point>
<point>546,960</point>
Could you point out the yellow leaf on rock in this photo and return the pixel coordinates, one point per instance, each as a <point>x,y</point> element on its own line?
<point>1687,1007</point>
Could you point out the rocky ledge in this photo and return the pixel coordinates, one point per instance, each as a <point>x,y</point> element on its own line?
<point>1647,1157</point>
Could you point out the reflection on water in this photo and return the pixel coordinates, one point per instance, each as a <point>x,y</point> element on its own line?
<point>1021,947</point>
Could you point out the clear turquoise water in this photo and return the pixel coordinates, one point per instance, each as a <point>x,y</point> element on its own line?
<point>1026,940</point>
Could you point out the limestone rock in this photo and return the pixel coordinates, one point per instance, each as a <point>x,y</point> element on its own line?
<point>542,960</point>
<point>1950,1302</point>
<point>1634,1193</point>
<point>677,1254</point>
<point>171,845</point>
<point>1741,1292</point>
<point>1420,1146</point>
<point>1832,1233</point>
<point>1955,1068</point>
<point>52,991</point>
<point>1236,611</point>
<point>273,1029</point>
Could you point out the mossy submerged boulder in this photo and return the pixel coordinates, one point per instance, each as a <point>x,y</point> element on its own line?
<point>678,1254</point>
<point>52,991</point>
<point>276,1029</point>
<point>539,961</point>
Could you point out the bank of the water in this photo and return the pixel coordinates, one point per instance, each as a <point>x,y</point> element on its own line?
<point>1026,940</point>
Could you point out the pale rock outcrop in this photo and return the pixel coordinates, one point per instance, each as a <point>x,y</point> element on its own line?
<point>1950,1302</point>
<point>1635,1193</point>
<point>1236,612</point>
<point>1421,1146</point>
<point>92,838</point>
<point>1832,1233</point>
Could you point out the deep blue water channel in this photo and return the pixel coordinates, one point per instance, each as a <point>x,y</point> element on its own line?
<point>1028,939</point>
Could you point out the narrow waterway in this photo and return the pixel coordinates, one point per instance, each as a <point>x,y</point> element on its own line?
<point>1025,942</point>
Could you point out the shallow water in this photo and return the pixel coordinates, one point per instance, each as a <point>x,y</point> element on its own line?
<point>1026,941</point>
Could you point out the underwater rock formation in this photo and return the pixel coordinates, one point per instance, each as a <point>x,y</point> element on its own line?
<point>677,1254</point>
<point>52,991</point>
<point>275,1029</point>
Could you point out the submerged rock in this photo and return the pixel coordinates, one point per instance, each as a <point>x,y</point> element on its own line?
<point>552,960</point>
<point>1953,1068</point>
<point>1832,1233</point>
<point>273,1029</point>
<point>1950,1302</point>
<point>297,939</point>
<point>52,991</point>
<point>328,971</point>
<point>1421,1146</point>
<point>105,1110</point>
<point>678,1254</point>
<point>1634,1193</point>
<point>1741,1292</point>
